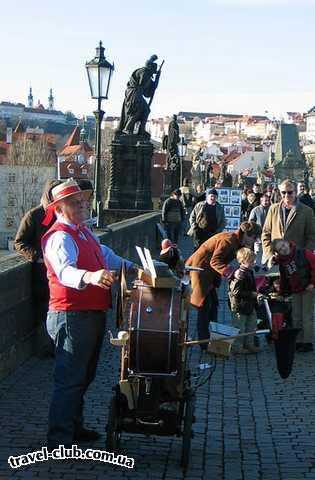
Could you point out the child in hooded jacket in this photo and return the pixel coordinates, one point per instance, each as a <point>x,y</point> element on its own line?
<point>243,301</point>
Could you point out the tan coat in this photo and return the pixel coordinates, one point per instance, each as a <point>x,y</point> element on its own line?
<point>213,255</point>
<point>300,227</point>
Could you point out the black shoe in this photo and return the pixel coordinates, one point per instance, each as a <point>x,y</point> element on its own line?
<point>306,347</point>
<point>298,346</point>
<point>85,435</point>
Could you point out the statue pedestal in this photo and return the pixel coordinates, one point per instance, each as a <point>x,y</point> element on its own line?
<point>171,181</point>
<point>128,184</point>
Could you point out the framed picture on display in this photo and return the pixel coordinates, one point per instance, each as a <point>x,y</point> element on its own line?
<point>229,225</point>
<point>235,222</point>
<point>236,211</point>
<point>227,211</point>
<point>235,200</point>
<point>224,199</point>
<point>223,196</point>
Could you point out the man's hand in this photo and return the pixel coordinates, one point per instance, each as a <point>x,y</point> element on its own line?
<point>310,287</point>
<point>100,278</point>
<point>260,298</point>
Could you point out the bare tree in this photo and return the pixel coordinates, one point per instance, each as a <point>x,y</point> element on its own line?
<point>30,163</point>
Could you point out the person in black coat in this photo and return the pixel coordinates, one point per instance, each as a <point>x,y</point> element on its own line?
<point>199,195</point>
<point>173,215</point>
<point>251,199</point>
<point>304,196</point>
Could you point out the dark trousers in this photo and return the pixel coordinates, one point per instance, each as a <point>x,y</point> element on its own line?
<point>173,231</point>
<point>78,338</point>
<point>201,236</point>
<point>208,312</point>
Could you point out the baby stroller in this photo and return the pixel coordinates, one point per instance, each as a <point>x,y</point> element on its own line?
<point>275,314</point>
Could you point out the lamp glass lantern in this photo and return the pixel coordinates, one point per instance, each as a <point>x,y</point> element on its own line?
<point>99,72</point>
<point>182,147</point>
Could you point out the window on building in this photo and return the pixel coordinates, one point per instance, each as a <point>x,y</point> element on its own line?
<point>9,222</point>
<point>11,201</point>
<point>11,178</point>
<point>71,170</point>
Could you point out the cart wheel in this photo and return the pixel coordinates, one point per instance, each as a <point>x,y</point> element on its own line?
<point>113,433</point>
<point>187,430</point>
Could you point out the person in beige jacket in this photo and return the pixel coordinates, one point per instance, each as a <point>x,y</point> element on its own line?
<point>292,220</point>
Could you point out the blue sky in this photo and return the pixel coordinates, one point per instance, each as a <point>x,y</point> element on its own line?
<point>232,56</point>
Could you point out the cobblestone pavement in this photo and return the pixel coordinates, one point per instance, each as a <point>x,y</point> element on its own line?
<point>250,423</point>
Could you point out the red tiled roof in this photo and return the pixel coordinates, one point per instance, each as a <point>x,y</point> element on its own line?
<point>232,157</point>
<point>74,138</point>
<point>83,147</point>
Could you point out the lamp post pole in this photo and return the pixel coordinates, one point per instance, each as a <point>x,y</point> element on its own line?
<point>181,171</point>
<point>182,148</point>
<point>99,72</point>
<point>98,204</point>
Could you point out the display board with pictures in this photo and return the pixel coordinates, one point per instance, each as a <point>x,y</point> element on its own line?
<point>230,199</point>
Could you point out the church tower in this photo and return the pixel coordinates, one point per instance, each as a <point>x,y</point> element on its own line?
<point>30,99</point>
<point>288,161</point>
<point>50,100</point>
<point>83,137</point>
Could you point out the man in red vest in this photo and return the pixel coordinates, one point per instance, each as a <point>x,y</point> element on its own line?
<point>80,279</point>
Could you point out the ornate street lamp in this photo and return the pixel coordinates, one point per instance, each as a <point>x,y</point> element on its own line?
<point>182,149</point>
<point>99,72</point>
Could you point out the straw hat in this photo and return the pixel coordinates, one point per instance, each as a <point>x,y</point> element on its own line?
<point>67,189</point>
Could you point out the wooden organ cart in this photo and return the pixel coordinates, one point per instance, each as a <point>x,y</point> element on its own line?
<point>154,395</point>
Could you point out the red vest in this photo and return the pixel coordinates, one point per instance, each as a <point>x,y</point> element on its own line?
<point>90,258</point>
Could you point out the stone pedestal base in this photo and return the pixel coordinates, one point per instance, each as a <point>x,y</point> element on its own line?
<point>170,183</point>
<point>129,175</point>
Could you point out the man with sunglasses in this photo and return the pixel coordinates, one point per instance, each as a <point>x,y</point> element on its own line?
<point>291,220</point>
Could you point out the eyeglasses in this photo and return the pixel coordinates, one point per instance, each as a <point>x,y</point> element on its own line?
<point>287,192</point>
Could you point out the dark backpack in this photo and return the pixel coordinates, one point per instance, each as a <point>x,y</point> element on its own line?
<point>187,200</point>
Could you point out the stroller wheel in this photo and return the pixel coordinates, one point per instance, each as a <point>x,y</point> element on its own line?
<point>113,434</point>
<point>187,430</point>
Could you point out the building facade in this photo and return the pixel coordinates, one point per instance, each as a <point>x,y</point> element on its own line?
<point>21,189</point>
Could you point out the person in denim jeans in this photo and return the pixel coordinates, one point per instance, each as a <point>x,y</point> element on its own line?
<point>80,275</point>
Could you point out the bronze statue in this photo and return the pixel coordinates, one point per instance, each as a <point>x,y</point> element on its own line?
<point>225,177</point>
<point>142,84</point>
<point>170,144</point>
<point>196,171</point>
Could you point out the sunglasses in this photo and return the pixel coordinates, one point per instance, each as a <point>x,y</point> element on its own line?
<point>288,192</point>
